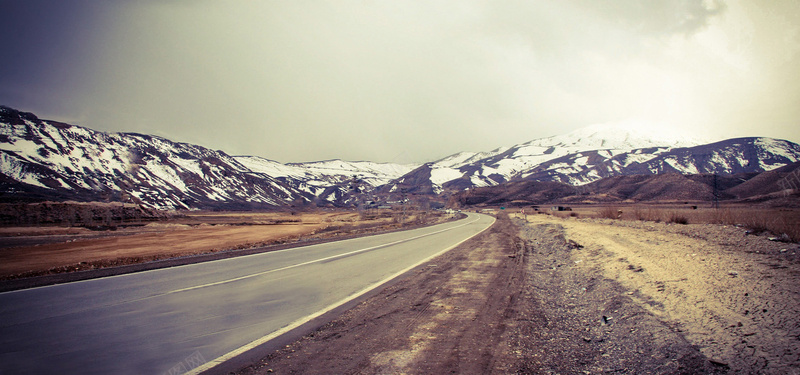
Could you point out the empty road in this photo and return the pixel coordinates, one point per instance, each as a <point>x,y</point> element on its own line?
<point>176,319</point>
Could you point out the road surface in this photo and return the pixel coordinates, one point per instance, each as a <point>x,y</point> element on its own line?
<point>191,317</point>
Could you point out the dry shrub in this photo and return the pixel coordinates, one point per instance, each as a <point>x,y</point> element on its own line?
<point>376,214</point>
<point>639,214</point>
<point>650,214</point>
<point>724,216</point>
<point>780,223</point>
<point>758,222</point>
<point>284,221</point>
<point>609,213</point>
<point>560,215</point>
<point>773,221</point>
<point>677,218</point>
<point>784,224</point>
<point>788,223</point>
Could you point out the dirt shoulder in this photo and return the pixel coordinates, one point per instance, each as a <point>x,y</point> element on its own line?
<point>448,315</point>
<point>734,296</point>
<point>518,298</point>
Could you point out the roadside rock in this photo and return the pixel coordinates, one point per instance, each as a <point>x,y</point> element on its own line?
<point>573,320</point>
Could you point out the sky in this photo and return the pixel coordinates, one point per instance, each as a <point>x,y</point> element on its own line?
<point>401,81</point>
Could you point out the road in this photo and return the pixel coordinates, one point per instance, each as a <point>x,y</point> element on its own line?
<point>171,320</point>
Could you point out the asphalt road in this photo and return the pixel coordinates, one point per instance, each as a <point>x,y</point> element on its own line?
<point>172,320</point>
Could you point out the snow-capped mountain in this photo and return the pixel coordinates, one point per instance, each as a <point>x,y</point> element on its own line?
<point>595,152</point>
<point>42,159</point>
<point>45,157</point>
<point>328,180</point>
<point>741,155</point>
<point>464,158</point>
<point>467,169</point>
<point>626,135</point>
<point>49,159</point>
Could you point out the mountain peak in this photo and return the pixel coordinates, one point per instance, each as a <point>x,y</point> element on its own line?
<point>41,159</point>
<point>625,135</point>
<point>463,158</point>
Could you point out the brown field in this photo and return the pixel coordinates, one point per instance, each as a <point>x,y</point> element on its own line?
<point>32,251</point>
<point>784,224</point>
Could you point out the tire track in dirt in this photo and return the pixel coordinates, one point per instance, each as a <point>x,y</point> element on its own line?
<point>740,306</point>
<point>572,320</point>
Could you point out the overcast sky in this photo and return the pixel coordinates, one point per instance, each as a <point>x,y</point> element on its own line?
<point>401,81</point>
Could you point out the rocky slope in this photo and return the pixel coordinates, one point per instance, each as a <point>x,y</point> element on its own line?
<point>48,160</point>
<point>593,153</point>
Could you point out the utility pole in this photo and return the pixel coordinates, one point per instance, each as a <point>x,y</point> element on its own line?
<point>716,192</point>
<point>355,191</point>
<point>715,184</point>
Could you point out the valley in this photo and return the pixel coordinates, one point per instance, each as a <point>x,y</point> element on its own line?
<point>549,294</point>
<point>400,187</point>
<point>43,160</point>
<point>614,249</point>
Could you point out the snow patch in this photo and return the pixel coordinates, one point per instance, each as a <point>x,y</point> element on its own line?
<point>439,176</point>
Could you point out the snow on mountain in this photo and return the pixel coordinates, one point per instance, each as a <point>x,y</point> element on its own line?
<point>323,173</point>
<point>607,139</point>
<point>626,135</point>
<point>46,158</point>
<point>374,174</point>
<point>42,159</point>
<point>318,178</point>
<point>741,155</point>
<point>598,151</point>
<point>464,158</point>
<point>448,169</point>
<point>468,169</point>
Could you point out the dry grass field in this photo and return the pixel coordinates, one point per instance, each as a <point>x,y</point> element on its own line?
<point>784,224</point>
<point>38,250</point>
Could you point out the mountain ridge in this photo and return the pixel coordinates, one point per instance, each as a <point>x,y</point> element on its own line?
<point>580,165</point>
<point>40,158</point>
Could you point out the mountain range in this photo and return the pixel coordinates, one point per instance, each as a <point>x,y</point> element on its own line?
<point>49,160</point>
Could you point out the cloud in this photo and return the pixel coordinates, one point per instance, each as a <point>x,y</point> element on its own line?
<point>407,81</point>
<point>657,17</point>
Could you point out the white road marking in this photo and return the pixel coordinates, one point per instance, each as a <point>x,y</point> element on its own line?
<point>309,262</point>
<point>232,354</point>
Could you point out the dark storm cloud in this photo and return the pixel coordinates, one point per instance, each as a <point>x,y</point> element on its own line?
<point>397,80</point>
<point>45,44</point>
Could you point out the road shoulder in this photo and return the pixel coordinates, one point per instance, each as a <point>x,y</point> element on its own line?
<point>509,300</point>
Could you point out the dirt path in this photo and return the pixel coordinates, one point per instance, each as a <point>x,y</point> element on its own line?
<point>736,297</point>
<point>572,297</point>
<point>574,321</point>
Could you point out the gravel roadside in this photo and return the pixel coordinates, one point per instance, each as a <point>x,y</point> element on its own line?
<point>522,297</point>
